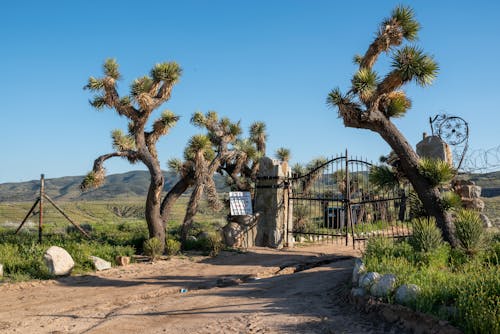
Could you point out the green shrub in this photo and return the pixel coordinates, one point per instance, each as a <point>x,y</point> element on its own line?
<point>426,235</point>
<point>379,247</point>
<point>450,200</point>
<point>479,300</point>
<point>152,248</point>
<point>469,231</point>
<point>437,171</point>
<point>172,246</point>
<point>212,244</point>
<point>437,257</point>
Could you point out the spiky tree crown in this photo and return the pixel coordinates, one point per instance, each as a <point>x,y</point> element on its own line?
<point>283,154</point>
<point>369,93</point>
<point>147,93</point>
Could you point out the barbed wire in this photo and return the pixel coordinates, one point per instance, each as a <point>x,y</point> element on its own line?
<point>482,161</point>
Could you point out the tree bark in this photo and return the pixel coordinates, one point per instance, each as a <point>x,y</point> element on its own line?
<point>156,227</point>
<point>191,210</point>
<point>173,195</point>
<point>429,195</point>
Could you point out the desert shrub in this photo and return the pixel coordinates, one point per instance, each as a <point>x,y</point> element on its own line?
<point>211,244</point>
<point>172,246</point>
<point>478,301</point>
<point>437,257</point>
<point>152,248</point>
<point>426,235</point>
<point>469,231</point>
<point>379,247</point>
<point>301,214</point>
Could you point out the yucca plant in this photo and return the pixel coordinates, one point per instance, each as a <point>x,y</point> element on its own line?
<point>436,171</point>
<point>383,177</point>
<point>469,231</point>
<point>426,236</point>
<point>450,200</point>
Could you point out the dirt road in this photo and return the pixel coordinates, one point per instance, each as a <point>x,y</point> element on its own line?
<point>260,291</point>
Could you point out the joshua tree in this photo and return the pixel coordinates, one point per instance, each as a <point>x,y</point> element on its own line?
<point>242,167</point>
<point>208,153</point>
<point>202,158</point>
<point>283,154</point>
<point>147,94</point>
<point>372,102</point>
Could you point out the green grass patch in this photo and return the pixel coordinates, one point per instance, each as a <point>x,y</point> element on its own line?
<point>455,286</point>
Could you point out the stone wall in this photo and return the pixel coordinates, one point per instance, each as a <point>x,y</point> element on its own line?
<point>271,202</point>
<point>435,148</point>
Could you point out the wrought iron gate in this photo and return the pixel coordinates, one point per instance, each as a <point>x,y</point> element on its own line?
<point>336,202</point>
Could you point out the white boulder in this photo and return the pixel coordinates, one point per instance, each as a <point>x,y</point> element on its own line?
<point>368,279</point>
<point>383,287</point>
<point>100,264</point>
<point>58,261</point>
<point>359,268</point>
<point>407,294</point>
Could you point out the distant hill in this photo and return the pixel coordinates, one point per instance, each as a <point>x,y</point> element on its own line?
<point>126,185</point>
<point>490,182</point>
<point>135,184</point>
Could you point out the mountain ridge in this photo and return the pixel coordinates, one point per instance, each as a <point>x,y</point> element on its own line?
<point>136,183</point>
<point>67,188</point>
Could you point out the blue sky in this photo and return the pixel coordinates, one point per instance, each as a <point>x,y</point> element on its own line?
<point>272,61</point>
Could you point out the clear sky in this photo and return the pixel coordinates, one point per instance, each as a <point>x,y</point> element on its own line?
<point>272,61</point>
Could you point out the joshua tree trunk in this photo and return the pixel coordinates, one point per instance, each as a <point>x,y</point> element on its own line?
<point>173,195</point>
<point>156,227</point>
<point>191,210</point>
<point>430,196</point>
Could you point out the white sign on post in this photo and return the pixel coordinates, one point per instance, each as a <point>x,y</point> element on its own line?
<point>240,203</point>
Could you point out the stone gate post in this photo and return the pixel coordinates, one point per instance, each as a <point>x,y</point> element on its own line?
<point>271,201</point>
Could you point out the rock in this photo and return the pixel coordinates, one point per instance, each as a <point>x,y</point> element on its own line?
<point>384,286</point>
<point>368,279</point>
<point>232,233</point>
<point>486,221</point>
<point>358,292</point>
<point>1,270</point>
<point>435,148</point>
<point>100,264</point>
<point>58,261</point>
<point>473,203</point>
<point>359,268</point>
<point>407,294</point>
<point>122,260</point>
<point>192,238</point>
<point>469,191</point>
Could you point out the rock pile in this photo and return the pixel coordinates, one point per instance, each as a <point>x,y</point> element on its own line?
<point>381,286</point>
<point>470,194</point>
